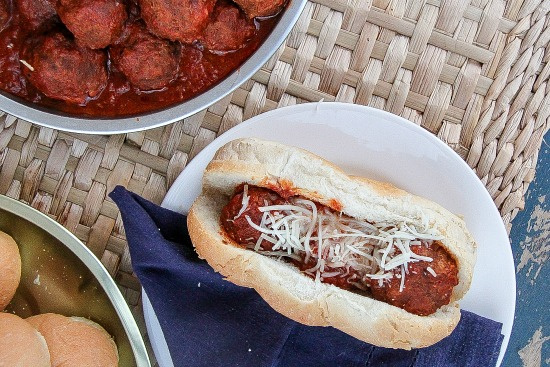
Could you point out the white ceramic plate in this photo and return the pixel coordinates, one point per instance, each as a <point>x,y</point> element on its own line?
<point>369,142</point>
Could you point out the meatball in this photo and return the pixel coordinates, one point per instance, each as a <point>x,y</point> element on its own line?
<point>146,60</point>
<point>261,8</point>
<point>62,70</point>
<point>423,293</point>
<point>37,15</point>
<point>341,281</point>
<point>5,14</point>
<point>342,277</point>
<point>177,20</point>
<point>94,23</point>
<point>229,30</point>
<point>237,226</point>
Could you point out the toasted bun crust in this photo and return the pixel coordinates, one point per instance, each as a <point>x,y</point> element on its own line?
<point>297,296</point>
<point>76,341</point>
<point>10,263</point>
<point>21,345</point>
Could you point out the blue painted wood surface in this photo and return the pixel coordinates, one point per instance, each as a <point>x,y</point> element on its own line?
<point>530,236</point>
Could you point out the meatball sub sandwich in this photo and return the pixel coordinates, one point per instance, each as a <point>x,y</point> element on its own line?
<point>327,249</point>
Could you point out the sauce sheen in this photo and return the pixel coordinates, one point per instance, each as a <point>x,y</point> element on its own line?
<point>199,70</point>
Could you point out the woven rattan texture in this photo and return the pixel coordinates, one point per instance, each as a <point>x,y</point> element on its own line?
<point>473,72</point>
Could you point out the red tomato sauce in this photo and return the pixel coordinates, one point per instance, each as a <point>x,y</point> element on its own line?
<point>199,70</point>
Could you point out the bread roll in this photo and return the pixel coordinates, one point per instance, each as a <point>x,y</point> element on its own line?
<point>76,341</point>
<point>21,345</point>
<point>10,263</point>
<point>298,172</point>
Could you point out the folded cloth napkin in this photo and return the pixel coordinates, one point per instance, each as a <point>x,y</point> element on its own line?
<point>208,321</point>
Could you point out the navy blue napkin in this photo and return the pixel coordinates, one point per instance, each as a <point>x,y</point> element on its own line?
<point>208,321</point>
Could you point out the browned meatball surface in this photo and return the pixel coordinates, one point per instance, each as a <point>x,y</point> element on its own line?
<point>5,14</point>
<point>94,23</point>
<point>342,277</point>
<point>37,14</point>
<point>423,293</point>
<point>229,30</point>
<point>261,8</point>
<point>147,61</point>
<point>237,226</point>
<point>177,20</point>
<point>62,70</point>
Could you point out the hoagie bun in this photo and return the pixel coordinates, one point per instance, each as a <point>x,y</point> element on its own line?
<point>320,274</point>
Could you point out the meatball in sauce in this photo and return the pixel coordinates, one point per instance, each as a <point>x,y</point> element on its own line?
<point>94,23</point>
<point>229,29</point>
<point>148,62</point>
<point>62,70</point>
<point>177,20</point>
<point>421,285</point>
<point>37,15</point>
<point>261,8</point>
<point>235,222</point>
<point>172,59</point>
<point>427,286</point>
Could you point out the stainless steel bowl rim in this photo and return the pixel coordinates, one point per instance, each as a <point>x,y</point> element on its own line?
<point>94,265</point>
<point>105,126</point>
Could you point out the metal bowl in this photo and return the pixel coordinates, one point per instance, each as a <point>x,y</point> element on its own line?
<point>61,275</point>
<point>58,120</point>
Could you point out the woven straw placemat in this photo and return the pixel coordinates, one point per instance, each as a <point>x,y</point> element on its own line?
<point>473,72</point>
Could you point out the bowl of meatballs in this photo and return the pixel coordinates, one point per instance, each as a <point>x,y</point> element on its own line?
<point>114,66</point>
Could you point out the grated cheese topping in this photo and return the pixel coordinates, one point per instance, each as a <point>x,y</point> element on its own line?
<point>244,202</point>
<point>29,66</point>
<point>335,244</point>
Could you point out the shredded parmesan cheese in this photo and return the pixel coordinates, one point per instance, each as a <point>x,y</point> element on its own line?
<point>29,66</point>
<point>244,202</point>
<point>336,245</point>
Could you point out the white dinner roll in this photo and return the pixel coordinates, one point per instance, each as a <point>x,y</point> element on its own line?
<point>76,341</point>
<point>21,345</point>
<point>10,264</point>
